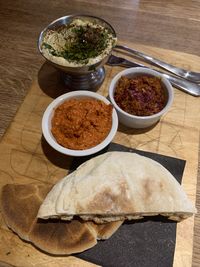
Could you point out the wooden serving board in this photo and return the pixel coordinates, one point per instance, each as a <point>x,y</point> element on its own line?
<point>25,156</point>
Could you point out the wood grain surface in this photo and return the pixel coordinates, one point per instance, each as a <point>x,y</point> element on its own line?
<point>26,157</point>
<point>172,25</point>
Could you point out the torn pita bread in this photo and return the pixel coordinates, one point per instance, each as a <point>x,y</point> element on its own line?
<point>20,204</point>
<point>106,230</point>
<point>116,186</point>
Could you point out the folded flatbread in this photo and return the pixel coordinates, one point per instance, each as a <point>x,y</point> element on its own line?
<point>19,206</point>
<point>117,186</point>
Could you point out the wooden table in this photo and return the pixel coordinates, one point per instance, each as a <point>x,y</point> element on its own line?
<point>172,27</point>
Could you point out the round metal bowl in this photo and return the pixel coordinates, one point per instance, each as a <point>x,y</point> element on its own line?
<point>84,76</point>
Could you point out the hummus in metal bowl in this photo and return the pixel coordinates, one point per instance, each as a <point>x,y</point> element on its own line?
<point>79,43</point>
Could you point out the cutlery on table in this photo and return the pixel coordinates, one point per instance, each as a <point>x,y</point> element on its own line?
<point>188,75</point>
<point>182,84</point>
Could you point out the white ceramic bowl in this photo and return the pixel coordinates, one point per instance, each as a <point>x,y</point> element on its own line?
<point>133,121</point>
<point>49,112</point>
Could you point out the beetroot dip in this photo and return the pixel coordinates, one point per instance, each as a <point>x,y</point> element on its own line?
<point>141,96</point>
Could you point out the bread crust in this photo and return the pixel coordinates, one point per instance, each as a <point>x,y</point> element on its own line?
<point>117,186</point>
<point>20,204</point>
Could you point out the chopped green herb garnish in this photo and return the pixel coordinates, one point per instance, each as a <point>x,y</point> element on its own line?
<point>82,43</point>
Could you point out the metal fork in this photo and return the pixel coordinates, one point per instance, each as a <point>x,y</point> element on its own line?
<point>182,84</point>
<point>186,74</point>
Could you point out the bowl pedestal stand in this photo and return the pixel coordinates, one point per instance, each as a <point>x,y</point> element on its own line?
<point>86,81</point>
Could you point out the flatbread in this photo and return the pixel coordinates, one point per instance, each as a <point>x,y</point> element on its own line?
<point>116,186</point>
<point>62,237</point>
<point>20,204</point>
<point>105,230</point>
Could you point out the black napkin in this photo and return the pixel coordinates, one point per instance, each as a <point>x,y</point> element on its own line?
<point>149,242</point>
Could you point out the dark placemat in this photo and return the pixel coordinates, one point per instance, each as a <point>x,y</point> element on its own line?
<point>149,242</point>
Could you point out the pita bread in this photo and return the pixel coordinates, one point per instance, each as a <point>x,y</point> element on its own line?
<point>20,204</point>
<point>106,230</point>
<point>116,186</point>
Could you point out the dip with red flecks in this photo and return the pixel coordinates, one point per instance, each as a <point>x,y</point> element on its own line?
<point>141,95</point>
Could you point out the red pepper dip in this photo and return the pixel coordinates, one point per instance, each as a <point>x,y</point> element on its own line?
<point>140,96</point>
<point>81,123</point>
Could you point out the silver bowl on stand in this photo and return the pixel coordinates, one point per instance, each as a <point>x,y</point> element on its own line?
<point>87,77</point>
